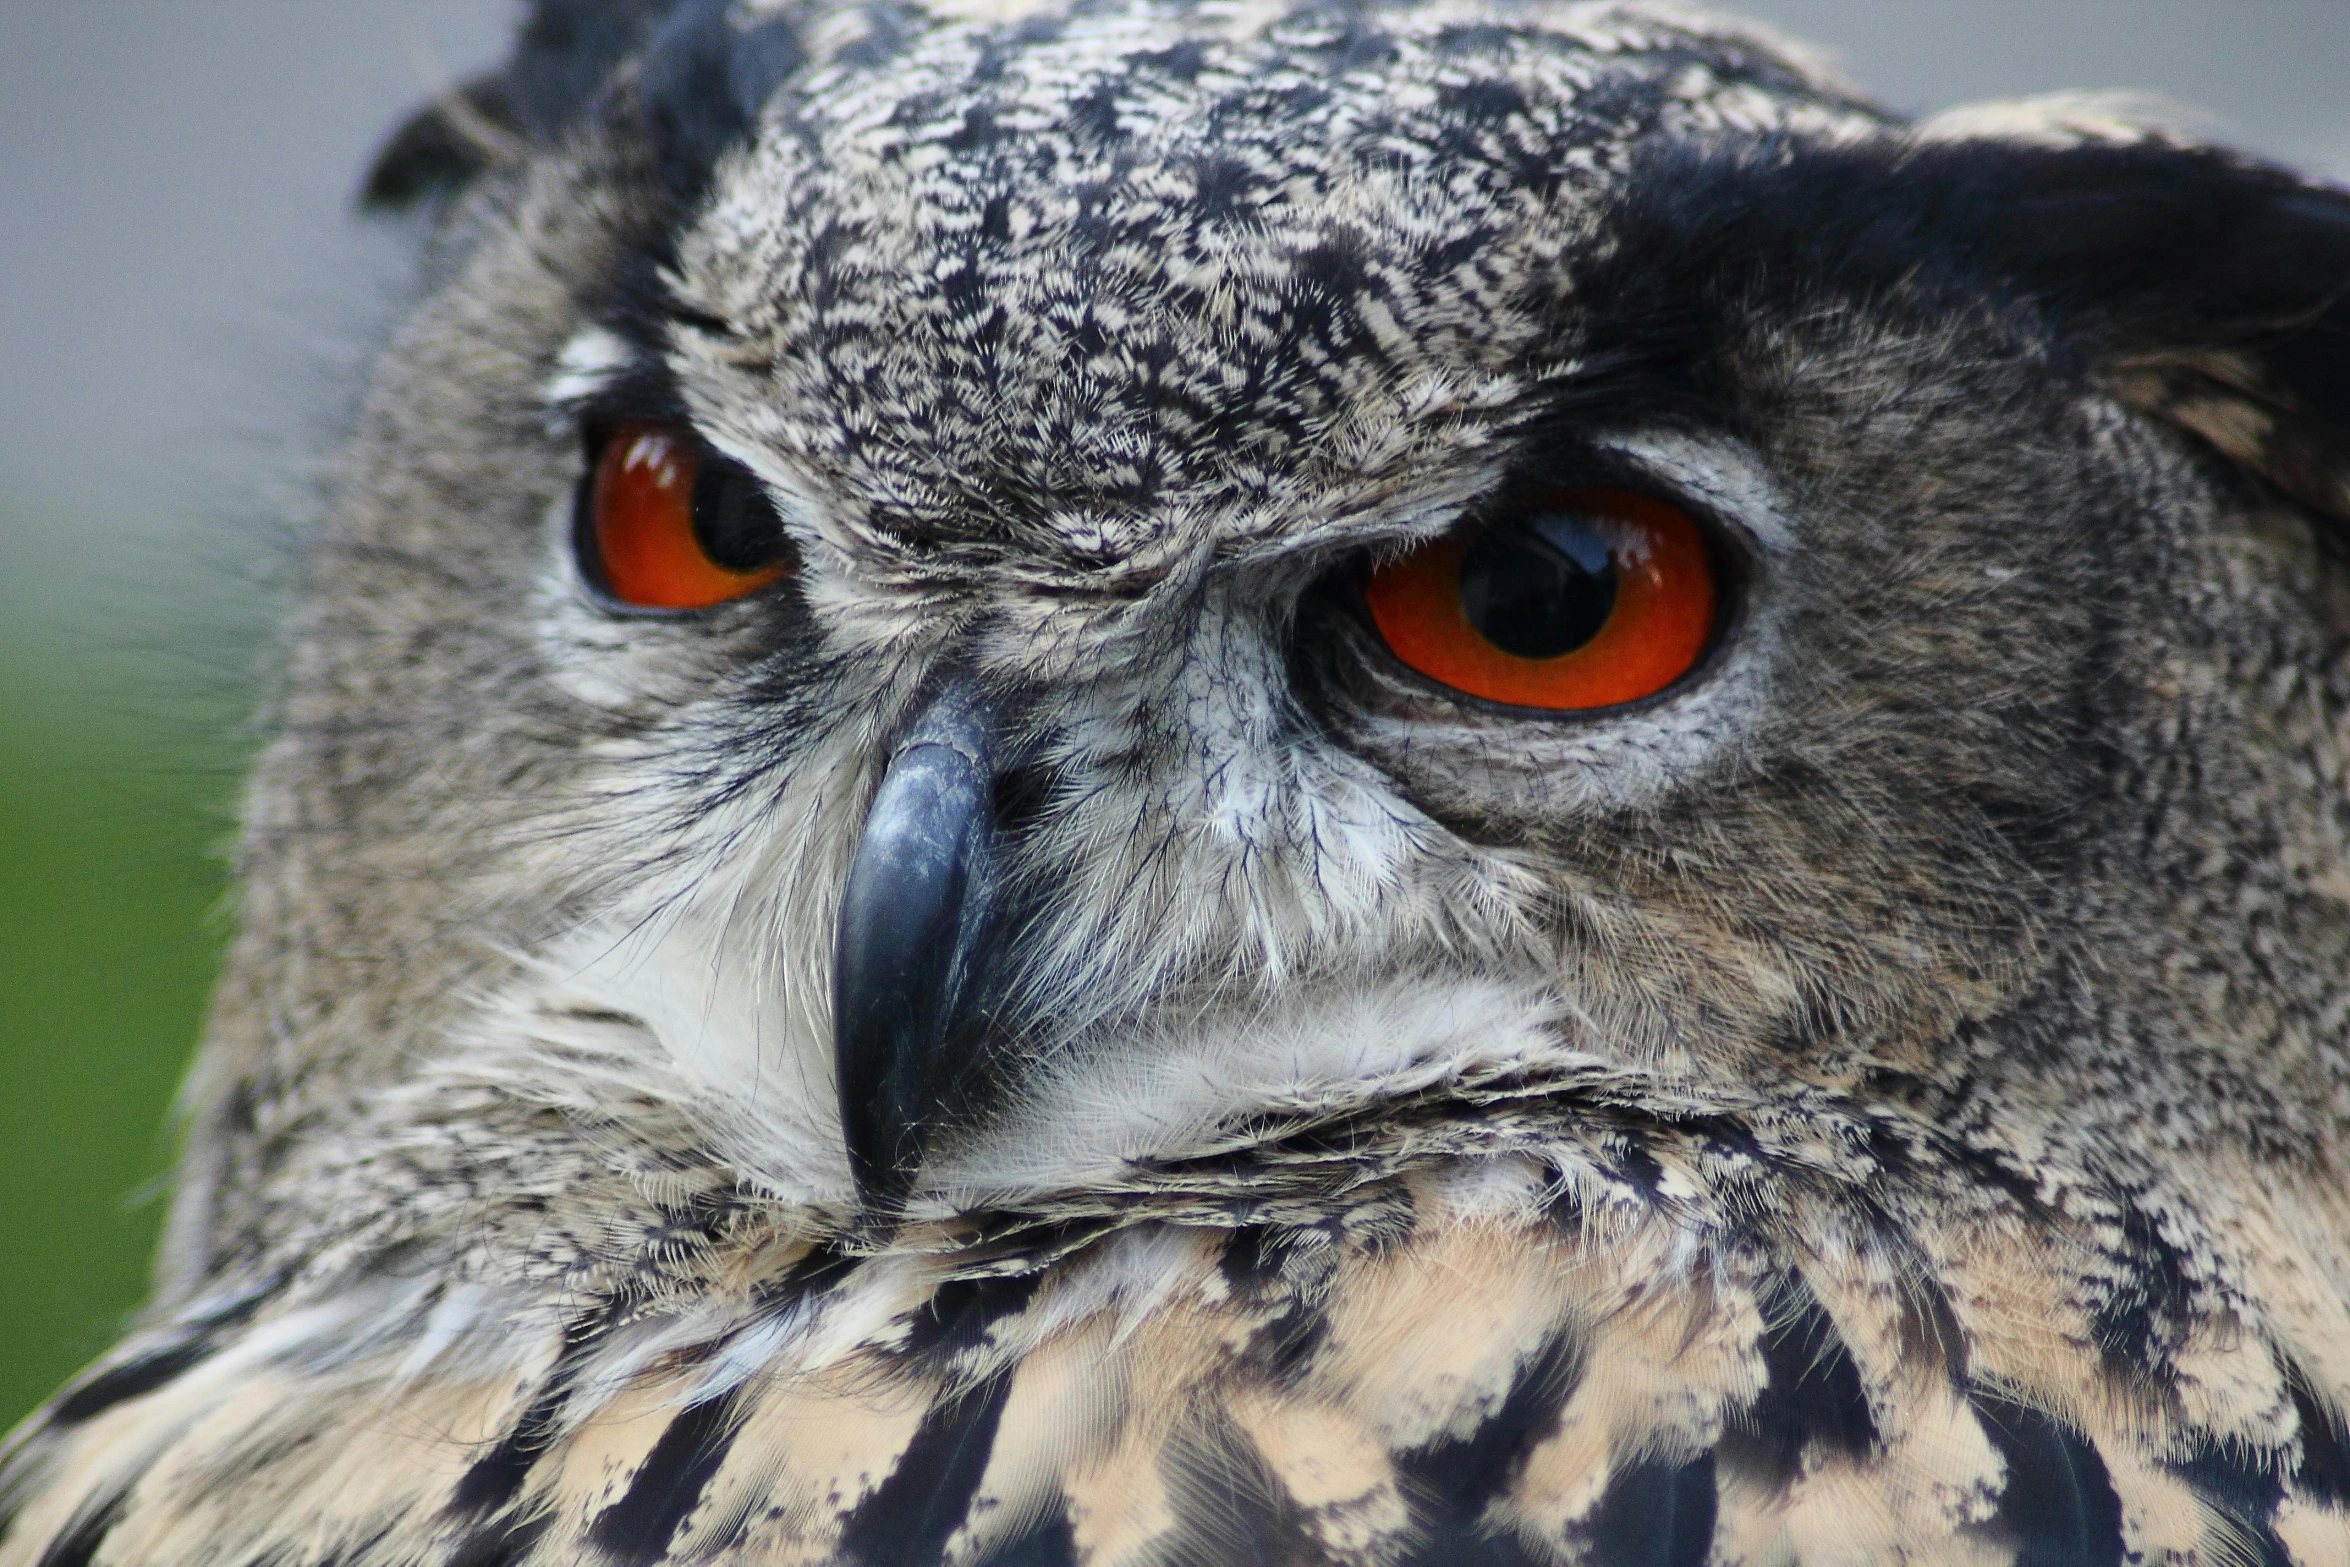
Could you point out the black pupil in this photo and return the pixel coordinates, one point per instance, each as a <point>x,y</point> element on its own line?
<point>1539,585</point>
<point>733,520</point>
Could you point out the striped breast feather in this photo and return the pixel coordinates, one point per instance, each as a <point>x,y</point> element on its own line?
<point>1464,1362</point>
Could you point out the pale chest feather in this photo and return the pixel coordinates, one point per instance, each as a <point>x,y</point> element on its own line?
<point>1599,1350</point>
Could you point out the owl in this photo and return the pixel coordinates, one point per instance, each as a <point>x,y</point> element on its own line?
<point>1199,784</point>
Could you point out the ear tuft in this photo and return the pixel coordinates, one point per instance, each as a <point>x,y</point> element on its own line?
<point>2252,354</point>
<point>444,145</point>
<point>2069,119</point>
<point>565,54</point>
<point>2235,404</point>
<point>2210,290</point>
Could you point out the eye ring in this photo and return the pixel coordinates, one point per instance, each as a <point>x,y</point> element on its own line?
<point>1571,601</point>
<point>664,526</point>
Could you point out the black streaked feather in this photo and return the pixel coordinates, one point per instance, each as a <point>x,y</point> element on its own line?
<point>823,1266</point>
<point>636,1530</point>
<point>78,1545</point>
<point>1449,1544</point>
<point>2323,1472</point>
<point>2145,1317</point>
<point>1264,1263</point>
<point>496,1478</point>
<point>1230,1506</point>
<point>1049,1542</point>
<point>1814,1394</point>
<point>1454,1479</point>
<point>132,1379</point>
<point>909,1518</point>
<point>959,1313</point>
<point>501,1544</point>
<point>1655,1514</point>
<point>2245,1484</point>
<point>2058,1508</point>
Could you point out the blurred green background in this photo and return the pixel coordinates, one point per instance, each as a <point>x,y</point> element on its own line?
<point>106,952</point>
<point>184,300</point>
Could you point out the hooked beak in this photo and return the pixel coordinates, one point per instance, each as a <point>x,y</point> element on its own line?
<point>915,915</point>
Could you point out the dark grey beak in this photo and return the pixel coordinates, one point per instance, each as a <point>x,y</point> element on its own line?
<point>915,915</point>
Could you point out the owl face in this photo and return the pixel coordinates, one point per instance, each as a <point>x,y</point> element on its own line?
<point>1133,484</point>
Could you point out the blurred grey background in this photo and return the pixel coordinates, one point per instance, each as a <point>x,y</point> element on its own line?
<point>184,300</point>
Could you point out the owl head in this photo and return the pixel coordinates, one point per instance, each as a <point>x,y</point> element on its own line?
<point>937,608</point>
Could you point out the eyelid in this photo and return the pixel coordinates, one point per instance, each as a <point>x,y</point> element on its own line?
<point>586,368</point>
<point>1716,477</point>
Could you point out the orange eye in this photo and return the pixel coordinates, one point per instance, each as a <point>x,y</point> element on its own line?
<point>1580,599</point>
<point>669,528</point>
